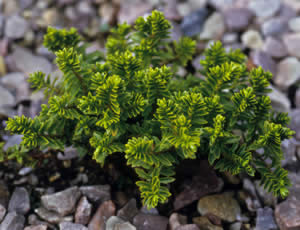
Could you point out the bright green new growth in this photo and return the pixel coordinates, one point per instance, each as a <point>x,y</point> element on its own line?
<point>133,102</point>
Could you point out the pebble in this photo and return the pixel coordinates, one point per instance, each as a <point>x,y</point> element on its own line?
<point>192,24</point>
<point>28,63</point>
<point>12,80</point>
<point>294,4</point>
<point>295,122</point>
<point>104,211</point>
<point>25,171</point>
<point>129,211</point>
<point>136,9</point>
<point>235,226</point>
<point>292,43</point>
<point>4,193</point>
<point>221,4</point>
<point>71,226</point>
<point>275,48</point>
<point>287,215</point>
<point>265,219</point>
<point>13,221</point>
<point>266,8</point>
<point>2,212</point>
<point>206,182</point>
<point>19,201</point>
<point>294,24</point>
<point>230,38</point>
<point>266,197</point>
<point>150,222</point>
<point>188,227</point>
<point>49,216</point>
<point>177,220</point>
<point>288,147</point>
<point>6,97</point>
<point>288,72</point>
<point>297,98</point>
<point>15,27</point>
<point>171,10</point>
<point>124,226</point>
<point>260,58</point>
<point>295,189</point>
<point>83,211</point>
<point>252,39</point>
<point>62,202</point>
<point>112,221</point>
<point>238,19</point>
<point>51,17</point>
<point>204,223</point>
<point>96,193</point>
<point>2,23</point>
<point>213,28</point>
<point>69,154</point>
<point>279,101</point>
<point>274,27</point>
<point>221,205</point>
<point>36,227</point>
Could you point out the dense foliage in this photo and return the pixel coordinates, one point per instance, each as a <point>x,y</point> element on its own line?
<point>133,102</point>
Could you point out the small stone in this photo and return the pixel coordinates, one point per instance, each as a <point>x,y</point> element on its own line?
<point>192,24</point>
<point>288,72</point>
<point>51,17</point>
<point>214,27</point>
<point>124,226</point>
<point>266,197</point>
<point>221,4</point>
<point>294,4</point>
<point>106,11</point>
<point>13,221</point>
<point>62,202</point>
<point>288,147</point>
<point>25,171</point>
<point>96,193</point>
<point>151,211</point>
<point>104,211</point>
<point>266,8</point>
<point>71,226</point>
<point>286,12</point>
<point>260,58</point>
<point>130,10</point>
<point>297,98</point>
<point>129,211</point>
<point>295,122</point>
<point>49,216</point>
<point>150,222</point>
<point>69,154</point>
<point>287,215</point>
<point>279,101</point>
<point>252,39</point>
<point>235,226</point>
<point>204,224</point>
<point>4,193</point>
<point>83,211</point>
<point>188,227</point>
<point>221,205</point>
<point>2,212</point>
<point>295,189</point>
<point>15,27</point>
<point>6,98</point>
<point>36,227</point>
<point>294,24</point>
<point>230,38</point>
<point>19,201</point>
<point>171,10</point>
<point>12,80</point>
<point>275,48</point>
<point>28,63</point>
<point>274,27</point>
<point>112,221</point>
<point>177,220</point>
<point>265,219</point>
<point>238,19</point>
<point>292,43</point>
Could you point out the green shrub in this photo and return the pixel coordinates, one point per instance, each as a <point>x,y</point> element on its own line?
<point>132,101</point>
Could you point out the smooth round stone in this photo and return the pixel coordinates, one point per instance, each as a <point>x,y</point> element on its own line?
<point>252,39</point>
<point>214,27</point>
<point>294,24</point>
<point>292,43</point>
<point>274,27</point>
<point>262,59</point>
<point>230,38</point>
<point>264,8</point>
<point>288,72</point>
<point>275,48</point>
<point>15,27</point>
<point>238,19</point>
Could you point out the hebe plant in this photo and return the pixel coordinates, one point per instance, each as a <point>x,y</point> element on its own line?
<point>132,102</point>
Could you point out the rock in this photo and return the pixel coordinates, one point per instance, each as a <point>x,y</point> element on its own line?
<point>288,72</point>
<point>230,38</point>
<point>188,227</point>
<point>274,27</point>
<point>287,215</point>
<point>51,17</point>
<point>83,211</point>
<point>221,205</point>
<point>295,122</point>
<point>204,224</point>
<point>292,43</point>
<point>13,221</point>
<point>289,152</point>
<point>36,227</point>
<point>112,221</point>
<point>19,201</point>
<point>124,226</point>
<point>25,171</point>
<point>71,226</point>
<point>266,8</point>
<point>69,154</point>
<point>96,193</point>
<point>279,100</point>
<point>6,98</point>
<point>49,216</point>
<point>171,10</point>
<point>275,48</point>
<point>192,24</point>
<point>129,211</point>
<point>2,23</point>
<point>294,24</point>
<point>4,193</point>
<point>297,98</point>
<point>177,220</point>
<point>265,219</point>
<point>151,211</point>
<point>237,19</point>
<point>204,183</point>
<point>260,58</point>
<point>104,211</point>
<point>130,10</point>
<point>294,4</point>
<point>266,197</point>
<point>107,12</point>
<point>11,141</point>
<point>12,80</point>
<point>221,4</point>
<point>213,28</point>
<point>252,39</point>
<point>235,226</point>
<point>62,202</point>
<point>150,222</point>
<point>15,27</point>
<point>4,47</point>
<point>2,212</point>
<point>295,189</point>
<point>286,12</point>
